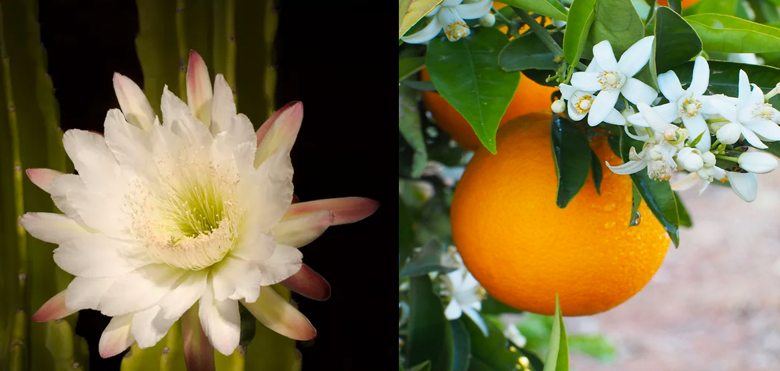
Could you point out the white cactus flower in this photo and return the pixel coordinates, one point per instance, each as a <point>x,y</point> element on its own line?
<point>450,15</point>
<point>196,210</point>
<point>612,78</point>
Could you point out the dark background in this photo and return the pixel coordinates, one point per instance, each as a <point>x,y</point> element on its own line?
<point>327,58</point>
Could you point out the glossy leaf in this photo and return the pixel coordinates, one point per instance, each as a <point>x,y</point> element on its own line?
<point>409,125</point>
<point>685,218</point>
<point>636,198</point>
<point>547,8</point>
<point>461,346</point>
<point>724,77</point>
<point>596,171</point>
<point>658,195</point>
<point>493,353</point>
<point>581,17</point>
<point>676,42</point>
<point>765,11</point>
<point>540,76</point>
<point>526,52</point>
<point>431,258</point>
<point>558,355</point>
<point>409,66</point>
<point>729,34</point>
<point>729,7</point>
<point>468,77</point>
<point>430,335</point>
<point>419,85</point>
<point>618,22</point>
<point>572,156</point>
<point>412,11</point>
<point>491,305</point>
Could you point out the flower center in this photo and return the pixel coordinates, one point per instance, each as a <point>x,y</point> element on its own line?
<point>189,219</point>
<point>611,79</point>
<point>454,26</point>
<point>690,107</point>
<point>763,110</point>
<point>583,104</point>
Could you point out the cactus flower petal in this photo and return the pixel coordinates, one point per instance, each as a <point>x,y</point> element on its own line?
<point>43,177</point>
<point>149,326</point>
<point>346,209</point>
<point>301,231</point>
<point>133,102</point>
<point>221,322</point>
<point>199,93</point>
<point>280,134</point>
<point>117,336</point>
<point>280,316</point>
<point>308,283</point>
<point>223,107</point>
<point>53,309</point>
<point>52,228</point>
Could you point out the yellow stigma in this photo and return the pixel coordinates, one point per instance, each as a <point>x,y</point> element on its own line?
<point>611,79</point>
<point>583,104</point>
<point>690,107</point>
<point>456,30</point>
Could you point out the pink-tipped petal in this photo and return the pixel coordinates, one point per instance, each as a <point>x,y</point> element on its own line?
<point>346,209</point>
<point>308,283</point>
<point>53,309</point>
<point>267,124</point>
<point>43,177</point>
<point>280,316</point>
<point>199,93</point>
<point>198,352</point>
<point>295,199</point>
<point>117,336</point>
<point>133,102</point>
<point>281,132</point>
<point>301,231</point>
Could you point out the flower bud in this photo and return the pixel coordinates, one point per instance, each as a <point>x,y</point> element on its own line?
<point>708,158</point>
<point>690,159</point>
<point>729,133</point>
<point>706,173</point>
<point>487,20</point>
<point>558,106</point>
<point>757,162</point>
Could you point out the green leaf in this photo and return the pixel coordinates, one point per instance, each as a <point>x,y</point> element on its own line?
<point>405,233</point>
<point>461,346</point>
<point>595,346</point>
<point>492,353</point>
<point>636,199</point>
<point>409,125</point>
<point>526,52</point>
<point>658,195</point>
<point>558,356</point>
<point>581,17</point>
<point>571,153</point>
<point>430,335</point>
<point>491,305</point>
<point>765,11</point>
<point>431,258</point>
<point>467,75</point>
<point>419,85</point>
<point>685,218</point>
<point>676,42</point>
<point>412,11</point>
<point>596,171</point>
<point>724,77</point>
<point>548,8</point>
<point>728,7</point>
<point>540,76</point>
<point>729,34</point>
<point>618,22</point>
<point>409,66</point>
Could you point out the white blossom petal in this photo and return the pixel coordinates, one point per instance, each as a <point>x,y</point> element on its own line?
<point>696,126</point>
<point>199,93</point>
<point>586,81</point>
<point>221,322</point>
<point>636,91</point>
<point>140,289</point>
<point>117,336</point>
<point>627,168</point>
<point>280,316</point>
<point>602,105</point>
<point>757,162</point>
<point>429,32</point>
<point>636,56</point>
<point>670,86</point>
<point>474,10</point>
<point>149,326</point>
<point>133,102</point>
<point>53,228</point>
<point>744,185</point>
<point>701,76</point>
<point>603,54</point>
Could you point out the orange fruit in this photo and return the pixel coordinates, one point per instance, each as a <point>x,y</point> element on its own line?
<point>529,97</point>
<point>523,249</point>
